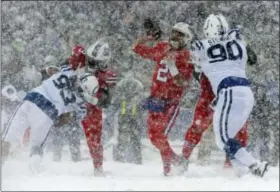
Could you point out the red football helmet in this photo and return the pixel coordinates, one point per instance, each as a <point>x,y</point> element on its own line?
<point>78,58</point>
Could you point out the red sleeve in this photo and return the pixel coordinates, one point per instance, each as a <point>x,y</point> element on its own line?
<point>148,52</point>
<point>184,67</point>
<point>206,89</point>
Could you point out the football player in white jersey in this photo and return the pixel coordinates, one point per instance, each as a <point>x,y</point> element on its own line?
<point>66,91</point>
<point>222,57</point>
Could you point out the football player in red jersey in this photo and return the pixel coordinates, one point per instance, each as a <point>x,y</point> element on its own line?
<point>95,60</point>
<point>169,81</point>
<point>98,56</point>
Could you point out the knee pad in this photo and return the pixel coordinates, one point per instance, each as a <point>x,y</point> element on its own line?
<point>231,147</point>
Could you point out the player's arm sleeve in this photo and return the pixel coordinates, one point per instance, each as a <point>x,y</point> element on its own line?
<point>146,51</point>
<point>196,72</point>
<point>252,56</point>
<point>186,69</point>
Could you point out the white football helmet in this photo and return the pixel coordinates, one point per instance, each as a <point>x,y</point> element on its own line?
<point>183,28</point>
<point>89,85</point>
<point>215,26</point>
<point>98,54</point>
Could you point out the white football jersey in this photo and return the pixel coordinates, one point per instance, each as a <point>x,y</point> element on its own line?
<point>219,59</point>
<point>58,89</point>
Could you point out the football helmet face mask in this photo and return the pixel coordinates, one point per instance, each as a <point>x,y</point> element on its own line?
<point>93,65</point>
<point>181,35</point>
<point>215,26</point>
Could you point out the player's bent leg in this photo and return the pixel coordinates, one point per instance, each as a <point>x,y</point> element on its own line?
<point>202,119</point>
<point>159,140</point>
<point>57,143</point>
<point>92,125</point>
<point>15,129</point>
<point>201,122</point>
<point>74,143</point>
<point>38,135</point>
<point>159,124</point>
<point>227,123</point>
<point>242,137</point>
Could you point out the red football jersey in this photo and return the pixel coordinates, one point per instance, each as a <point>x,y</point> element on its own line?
<point>163,84</point>
<point>106,79</point>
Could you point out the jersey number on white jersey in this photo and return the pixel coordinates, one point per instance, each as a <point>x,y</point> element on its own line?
<point>219,52</point>
<point>65,84</point>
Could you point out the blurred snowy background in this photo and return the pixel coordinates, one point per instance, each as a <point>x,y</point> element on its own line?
<point>40,33</point>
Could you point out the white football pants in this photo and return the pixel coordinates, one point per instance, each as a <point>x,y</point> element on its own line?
<point>28,115</point>
<point>230,114</point>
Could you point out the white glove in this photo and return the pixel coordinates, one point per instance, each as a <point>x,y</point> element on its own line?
<point>89,98</point>
<point>32,74</point>
<point>10,92</point>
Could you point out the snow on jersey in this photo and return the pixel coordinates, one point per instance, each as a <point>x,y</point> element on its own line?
<point>58,89</point>
<point>163,84</point>
<point>219,59</point>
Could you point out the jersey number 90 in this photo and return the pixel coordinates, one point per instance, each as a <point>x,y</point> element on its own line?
<point>64,84</point>
<point>225,52</point>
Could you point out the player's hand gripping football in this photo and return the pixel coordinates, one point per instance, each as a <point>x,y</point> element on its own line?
<point>152,28</point>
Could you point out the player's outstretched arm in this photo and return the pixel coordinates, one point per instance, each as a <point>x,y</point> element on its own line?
<point>152,34</point>
<point>140,48</point>
<point>152,28</point>
<point>252,56</point>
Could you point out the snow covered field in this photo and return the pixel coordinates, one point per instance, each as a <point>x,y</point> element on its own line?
<point>66,175</point>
